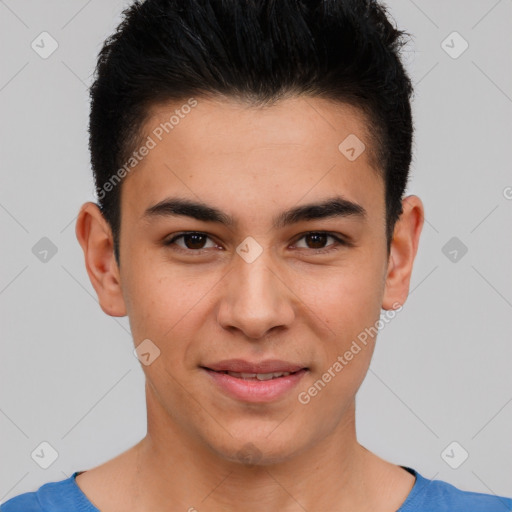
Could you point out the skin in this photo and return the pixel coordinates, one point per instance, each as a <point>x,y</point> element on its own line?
<point>203,450</point>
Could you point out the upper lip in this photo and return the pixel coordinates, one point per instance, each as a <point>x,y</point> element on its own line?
<point>266,366</point>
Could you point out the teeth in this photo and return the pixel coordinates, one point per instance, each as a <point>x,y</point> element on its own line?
<point>258,376</point>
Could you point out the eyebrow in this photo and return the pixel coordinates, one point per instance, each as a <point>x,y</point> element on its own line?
<point>334,207</point>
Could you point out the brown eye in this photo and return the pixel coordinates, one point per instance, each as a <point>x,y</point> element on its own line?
<point>317,240</point>
<point>192,241</point>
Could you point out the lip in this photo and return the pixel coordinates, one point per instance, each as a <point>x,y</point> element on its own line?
<point>242,366</point>
<point>255,391</point>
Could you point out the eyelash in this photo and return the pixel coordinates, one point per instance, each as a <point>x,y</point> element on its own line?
<point>339,242</point>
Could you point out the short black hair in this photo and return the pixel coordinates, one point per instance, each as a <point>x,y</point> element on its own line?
<point>258,51</point>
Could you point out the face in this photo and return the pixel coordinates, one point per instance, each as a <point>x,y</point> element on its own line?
<point>278,270</point>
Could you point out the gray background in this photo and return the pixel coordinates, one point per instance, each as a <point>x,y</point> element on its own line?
<point>441,370</point>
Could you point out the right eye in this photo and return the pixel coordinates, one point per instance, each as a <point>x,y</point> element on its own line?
<point>193,242</point>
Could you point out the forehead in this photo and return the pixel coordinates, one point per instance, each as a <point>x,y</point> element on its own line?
<point>227,150</point>
<point>227,122</point>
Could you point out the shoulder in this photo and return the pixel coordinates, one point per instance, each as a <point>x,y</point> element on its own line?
<point>61,496</point>
<point>26,502</point>
<point>428,495</point>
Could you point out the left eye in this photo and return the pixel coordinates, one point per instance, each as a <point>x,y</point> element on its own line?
<point>195,241</point>
<point>320,238</point>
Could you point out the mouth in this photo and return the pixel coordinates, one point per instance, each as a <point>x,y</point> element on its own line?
<point>261,382</point>
<point>257,376</point>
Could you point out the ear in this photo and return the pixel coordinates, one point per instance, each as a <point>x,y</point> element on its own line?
<point>404,245</point>
<point>95,236</point>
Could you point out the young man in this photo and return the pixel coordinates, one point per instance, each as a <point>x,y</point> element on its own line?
<point>250,160</point>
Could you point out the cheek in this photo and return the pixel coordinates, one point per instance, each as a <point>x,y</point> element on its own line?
<point>350,305</point>
<point>352,316</point>
<point>167,305</point>
<point>152,300</point>
<point>349,299</point>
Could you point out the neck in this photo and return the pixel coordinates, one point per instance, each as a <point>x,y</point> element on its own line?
<point>174,466</point>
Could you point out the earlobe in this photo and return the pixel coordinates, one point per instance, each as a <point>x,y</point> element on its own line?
<point>95,237</point>
<point>404,247</point>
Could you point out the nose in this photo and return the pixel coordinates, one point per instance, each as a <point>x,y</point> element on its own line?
<point>256,298</point>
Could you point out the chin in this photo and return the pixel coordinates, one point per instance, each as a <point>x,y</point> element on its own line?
<point>257,452</point>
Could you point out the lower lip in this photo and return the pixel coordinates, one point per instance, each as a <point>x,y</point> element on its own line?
<point>255,390</point>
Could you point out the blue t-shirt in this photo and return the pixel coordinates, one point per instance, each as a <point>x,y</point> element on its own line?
<point>425,496</point>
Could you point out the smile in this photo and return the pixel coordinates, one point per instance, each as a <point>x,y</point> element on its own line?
<point>255,387</point>
<point>258,376</point>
